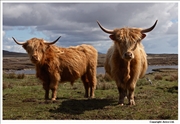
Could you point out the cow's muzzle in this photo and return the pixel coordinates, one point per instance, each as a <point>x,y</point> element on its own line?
<point>34,58</point>
<point>128,56</point>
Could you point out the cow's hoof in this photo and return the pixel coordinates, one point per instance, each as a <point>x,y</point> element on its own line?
<point>47,101</point>
<point>91,97</point>
<point>126,97</point>
<point>85,96</point>
<point>121,104</point>
<point>132,102</point>
<point>53,99</point>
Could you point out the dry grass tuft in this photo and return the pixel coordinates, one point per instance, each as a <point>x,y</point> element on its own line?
<point>13,75</point>
<point>104,82</point>
<point>158,77</point>
<point>7,85</point>
<point>21,76</point>
<point>173,77</point>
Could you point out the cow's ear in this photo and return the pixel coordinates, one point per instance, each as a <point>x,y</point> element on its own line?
<point>44,46</point>
<point>24,46</point>
<point>143,36</point>
<point>41,44</point>
<point>112,37</point>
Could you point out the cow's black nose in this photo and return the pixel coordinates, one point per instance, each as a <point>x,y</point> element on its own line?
<point>128,54</point>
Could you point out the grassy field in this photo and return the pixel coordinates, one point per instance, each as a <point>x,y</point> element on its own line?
<point>23,99</point>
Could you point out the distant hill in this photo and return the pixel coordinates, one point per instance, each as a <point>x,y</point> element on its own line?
<point>13,54</point>
<point>8,53</point>
<point>100,53</point>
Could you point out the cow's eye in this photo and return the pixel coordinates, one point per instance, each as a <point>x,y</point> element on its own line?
<point>120,42</point>
<point>118,37</point>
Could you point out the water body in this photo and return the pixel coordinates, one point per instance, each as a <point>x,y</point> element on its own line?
<point>100,70</point>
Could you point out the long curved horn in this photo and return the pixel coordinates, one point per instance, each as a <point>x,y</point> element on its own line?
<point>19,43</point>
<point>104,29</point>
<point>149,29</point>
<point>53,41</point>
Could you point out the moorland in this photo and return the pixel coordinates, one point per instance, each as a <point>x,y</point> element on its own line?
<point>23,95</point>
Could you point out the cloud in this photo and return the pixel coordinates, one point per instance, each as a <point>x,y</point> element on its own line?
<point>4,33</point>
<point>161,44</point>
<point>76,22</point>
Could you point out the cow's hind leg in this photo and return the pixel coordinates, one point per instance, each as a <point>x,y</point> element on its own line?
<point>86,85</point>
<point>91,74</point>
<point>92,87</point>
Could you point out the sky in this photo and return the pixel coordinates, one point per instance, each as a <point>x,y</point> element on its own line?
<point>76,23</point>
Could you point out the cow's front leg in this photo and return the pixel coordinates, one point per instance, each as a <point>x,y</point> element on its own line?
<point>122,95</point>
<point>46,94</point>
<point>131,95</point>
<point>46,88</point>
<point>53,87</point>
<point>54,93</point>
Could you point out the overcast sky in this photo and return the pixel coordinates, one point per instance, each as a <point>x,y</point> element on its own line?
<point>76,23</point>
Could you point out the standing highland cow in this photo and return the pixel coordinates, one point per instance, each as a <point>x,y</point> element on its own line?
<point>56,64</point>
<point>126,60</point>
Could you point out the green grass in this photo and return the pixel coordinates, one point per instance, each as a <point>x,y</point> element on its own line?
<point>23,99</point>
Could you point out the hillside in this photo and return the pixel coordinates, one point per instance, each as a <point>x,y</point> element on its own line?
<point>13,54</point>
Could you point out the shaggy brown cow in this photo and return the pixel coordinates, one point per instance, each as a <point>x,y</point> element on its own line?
<point>56,64</point>
<point>126,60</point>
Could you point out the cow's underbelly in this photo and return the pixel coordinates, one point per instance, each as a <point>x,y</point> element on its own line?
<point>70,76</point>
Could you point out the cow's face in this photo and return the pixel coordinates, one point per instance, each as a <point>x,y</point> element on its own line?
<point>126,41</point>
<point>35,48</point>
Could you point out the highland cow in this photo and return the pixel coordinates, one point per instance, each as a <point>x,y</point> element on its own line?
<point>126,60</point>
<point>57,64</point>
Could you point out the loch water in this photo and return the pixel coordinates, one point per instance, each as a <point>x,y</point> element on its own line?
<point>100,70</point>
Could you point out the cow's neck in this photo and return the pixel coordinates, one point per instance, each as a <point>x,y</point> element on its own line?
<point>125,66</point>
<point>127,70</point>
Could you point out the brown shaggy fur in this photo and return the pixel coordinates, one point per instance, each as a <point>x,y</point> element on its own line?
<point>126,61</point>
<point>56,64</point>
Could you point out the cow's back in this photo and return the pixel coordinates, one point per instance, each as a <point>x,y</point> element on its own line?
<point>144,64</point>
<point>75,61</point>
<point>108,61</point>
